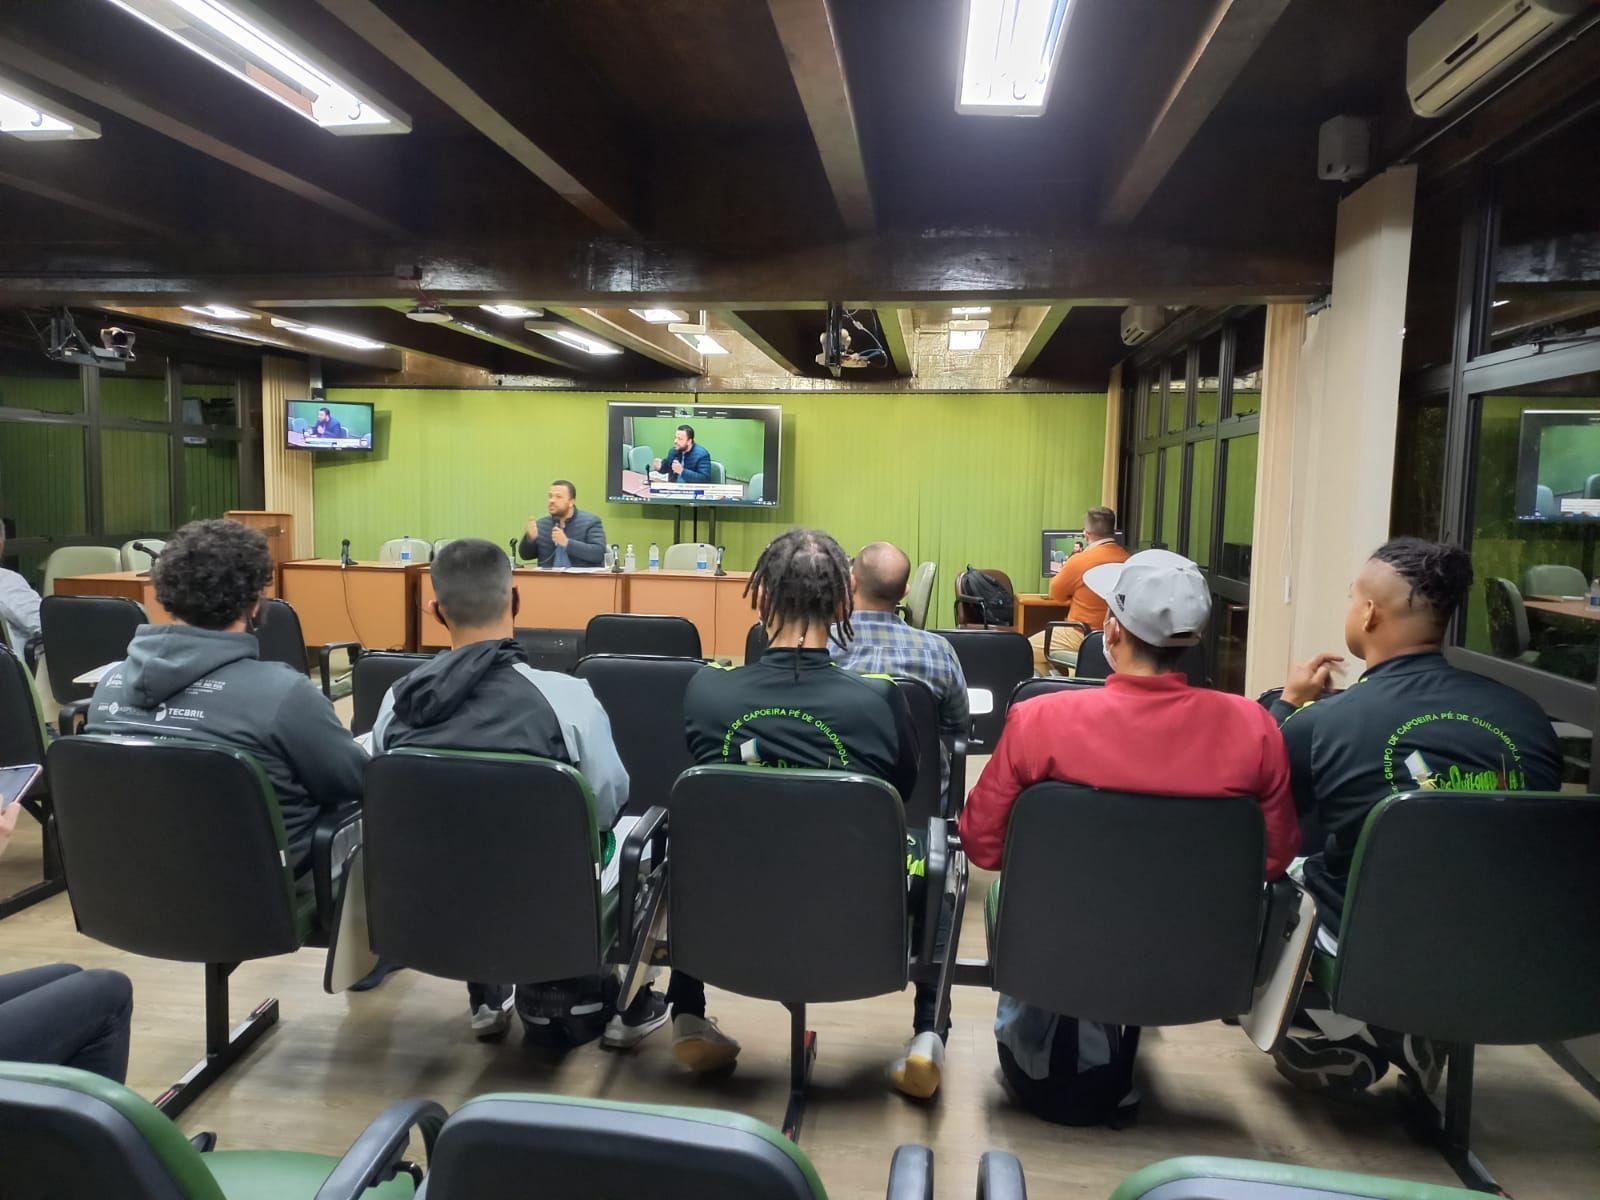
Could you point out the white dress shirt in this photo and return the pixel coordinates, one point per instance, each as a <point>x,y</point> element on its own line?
<point>19,609</point>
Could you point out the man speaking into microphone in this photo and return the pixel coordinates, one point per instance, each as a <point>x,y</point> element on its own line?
<point>567,536</point>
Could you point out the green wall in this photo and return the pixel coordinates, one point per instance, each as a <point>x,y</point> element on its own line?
<point>952,477</point>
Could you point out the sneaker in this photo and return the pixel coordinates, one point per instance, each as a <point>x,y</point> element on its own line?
<point>699,1045</point>
<point>491,1021</point>
<point>1315,1064</point>
<point>644,1016</point>
<point>917,1071</point>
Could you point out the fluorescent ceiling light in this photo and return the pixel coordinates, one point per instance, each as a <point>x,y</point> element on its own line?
<point>322,333</point>
<point>26,114</point>
<point>511,310</point>
<point>1498,303</point>
<point>967,335</point>
<point>577,339</point>
<point>1008,55</point>
<point>660,316</point>
<point>220,311</point>
<point>972,310</point>
<point>703,343</point>
<point>253,48</point>
<point>230,332</point>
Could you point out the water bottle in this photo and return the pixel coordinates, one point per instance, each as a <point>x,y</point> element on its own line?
<point>405,549</point>
<point>629,562</point>
<point>700,559</point>
<point>1594,593</point>
<point>610,557</point>
<point>655,557</point>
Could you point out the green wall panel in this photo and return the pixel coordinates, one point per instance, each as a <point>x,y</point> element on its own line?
<point>135,481</point>
<point>957,478</point>
<point>42,478</point>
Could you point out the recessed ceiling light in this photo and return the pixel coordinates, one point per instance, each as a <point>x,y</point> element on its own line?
<point>703,343</point>
<point>511,310</point>
<point>1008,55</point>
<point>660,316</point>
<point>26,114</point>
<point>322,333</point>
<point>575,338</point>
<point>220,312</point>
<point>430,314</point>
<point>971,310</point>
<point>967,335</point>
<point>253,48</point>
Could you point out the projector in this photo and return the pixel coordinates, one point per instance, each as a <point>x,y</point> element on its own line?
<point>1141,322</point>
<point>430,314</point>
<point>63,342</point>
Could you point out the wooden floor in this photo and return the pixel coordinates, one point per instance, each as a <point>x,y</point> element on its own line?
<point>333,1062</point>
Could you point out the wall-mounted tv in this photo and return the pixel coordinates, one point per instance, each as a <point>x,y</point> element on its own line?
<point>722,454</point>
<point>322,425</point>
<point>1558,465</point>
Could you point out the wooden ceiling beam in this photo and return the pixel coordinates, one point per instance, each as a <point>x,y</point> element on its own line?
<point>622,328</point>
<point>1230,35</point>
<point>1041,321</point>
<point>51,179</point>
<point>770,333</point>
<point>811,44</point>
<point>899,338</point>
<point>259,333</point>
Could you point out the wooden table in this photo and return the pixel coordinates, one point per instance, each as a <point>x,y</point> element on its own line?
<point>371,602</point>
<point>134,585</point>
<point>1564,606</point>
<point>714,603</point>
<point>549,599</point>
<point>1033,610</point>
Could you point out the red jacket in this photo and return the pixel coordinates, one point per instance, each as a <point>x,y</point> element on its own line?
<point>1151,734</point>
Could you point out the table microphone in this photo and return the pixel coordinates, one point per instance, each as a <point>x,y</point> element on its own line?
<point>720,551</point>
<point>344,554</point>
<point>513,544</point>
<point>143,549</point>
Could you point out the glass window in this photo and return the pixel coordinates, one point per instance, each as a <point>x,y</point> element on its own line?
<point>1177,390</point>
<point>1232,622</point>
<point>1238,506</point>
<point>139,393</point>
<point>1249,353</point>
<point>1208,382</point>
<point>42,478</point>
<point>208,395</point>
<point>1147,499</point>
<point>1150,388</point>
<point>1419,484</point>
<point>1533,538</point>
<point>1201,493</point>
<point>1171,494</point>
<point>135,481</point>
<point>29,380</point>
<point>210,477</point>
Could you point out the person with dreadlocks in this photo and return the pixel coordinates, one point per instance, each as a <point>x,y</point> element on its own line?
<point>795,708</point>
<point>1411,722</point>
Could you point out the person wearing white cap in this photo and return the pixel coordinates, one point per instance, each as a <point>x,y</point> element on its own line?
<point>1147,730</point>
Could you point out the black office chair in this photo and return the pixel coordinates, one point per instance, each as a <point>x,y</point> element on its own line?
<point>65,1132</point>
<point>755,642</point>
<point>82,633</point>
<point>1471,918</point>
<point>209,882</point>
<point>790,885</point>
<point>373,674</point>
<point>279,635</point>
<point>1093,663</point>
<point>641,633</point>
<point>643,696</point>
<point>1046,685</point>
<point>22,740</point>
<point>993,660</point>
<point>551,649</point>
<point>933,750</point>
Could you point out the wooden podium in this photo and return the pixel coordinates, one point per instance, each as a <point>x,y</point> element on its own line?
<point>278,528</point>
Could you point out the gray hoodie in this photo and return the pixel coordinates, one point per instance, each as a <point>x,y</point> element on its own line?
<point>204,685</point>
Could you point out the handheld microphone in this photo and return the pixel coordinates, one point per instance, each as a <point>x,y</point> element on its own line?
<point>720,551</point>
<point>344,554</point>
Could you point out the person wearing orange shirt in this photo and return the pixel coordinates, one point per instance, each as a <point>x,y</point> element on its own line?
<point>1099,524</point>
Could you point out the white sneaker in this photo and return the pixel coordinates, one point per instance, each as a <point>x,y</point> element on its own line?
<point>699,1045</point>
<point>490,1023</point>
<point>917,1071</point>
<point>630,1027</point>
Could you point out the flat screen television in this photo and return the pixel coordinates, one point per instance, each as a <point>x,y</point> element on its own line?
<point>732,459</point>
<point>323,425</point>
<point>1558,465</point>
<point>1058,545</point>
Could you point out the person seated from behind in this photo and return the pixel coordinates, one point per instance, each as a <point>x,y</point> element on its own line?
<point>1147,730</point>
<point>481,694</point>
<point>885,645</point>
<point>62,1015</point>
<point>1068,587</point>
<point>801,585</point>
<point>201,679</point>
<point>1413,723</point>
<point>19,605</point>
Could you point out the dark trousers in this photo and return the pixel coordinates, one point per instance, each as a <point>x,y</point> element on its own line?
<point>65,1016</point>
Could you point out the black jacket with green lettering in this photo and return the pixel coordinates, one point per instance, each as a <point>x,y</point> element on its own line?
<point>1409,724</point>
<point>794,708</point>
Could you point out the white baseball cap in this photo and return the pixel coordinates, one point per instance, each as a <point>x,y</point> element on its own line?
<point>1158,596</point>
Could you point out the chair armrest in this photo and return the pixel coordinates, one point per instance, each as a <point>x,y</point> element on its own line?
<point>1051,626</point>
<point>911,1174</point>
<point>336,833</point>
<point>1280,918</point>
<point>935,872</point>
<point>375,1155</point>
<point>999,1177</point>
<point>956,794</point>
<point>325,657</point>
<point>652,828</point>
<point>31,650</point>
<point>74,718</point>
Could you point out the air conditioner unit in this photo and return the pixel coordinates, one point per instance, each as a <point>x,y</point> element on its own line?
<point>1142,322</point>
<point>1465,42</point>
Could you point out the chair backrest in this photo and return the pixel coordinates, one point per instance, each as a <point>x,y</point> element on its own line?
<point>79,560</point>
<point>1044,685</point>
<point>421,549</point>
<point>82,633</point>
<point>718,472</point>
<point>140,560</point>
<point>581,1149</point>
<point>643,697</point>
<point>299,424</point>
<point>65,1132</point>
<point>551,649</point>
<point>919,594</point>
<point>520,843</point>
<point>641,633</point>
<point>208,881</point>
<point>970,613</point>
<point>1553,579</point>
<point>994,660</point>
<point>640,458</point>
<point>755,642</point>
<point>1544,501</point>
<point>1175,946</point>
<point>789,885</point>
<point>1498,894</point>
<point>279,635</point>
<point>21,726</point>
<point>373,674</point>
<point>757,487</point>
<point>927,798</point>
<point>1591,487</point>
<point>439,544</point>
<point>1092,660</point>
<point>1206,1178</point>
<point>684,556</point>
<point>1509,635</point>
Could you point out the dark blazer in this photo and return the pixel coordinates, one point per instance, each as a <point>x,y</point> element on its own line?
<point>586,545</point>
<point>696,465</point>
